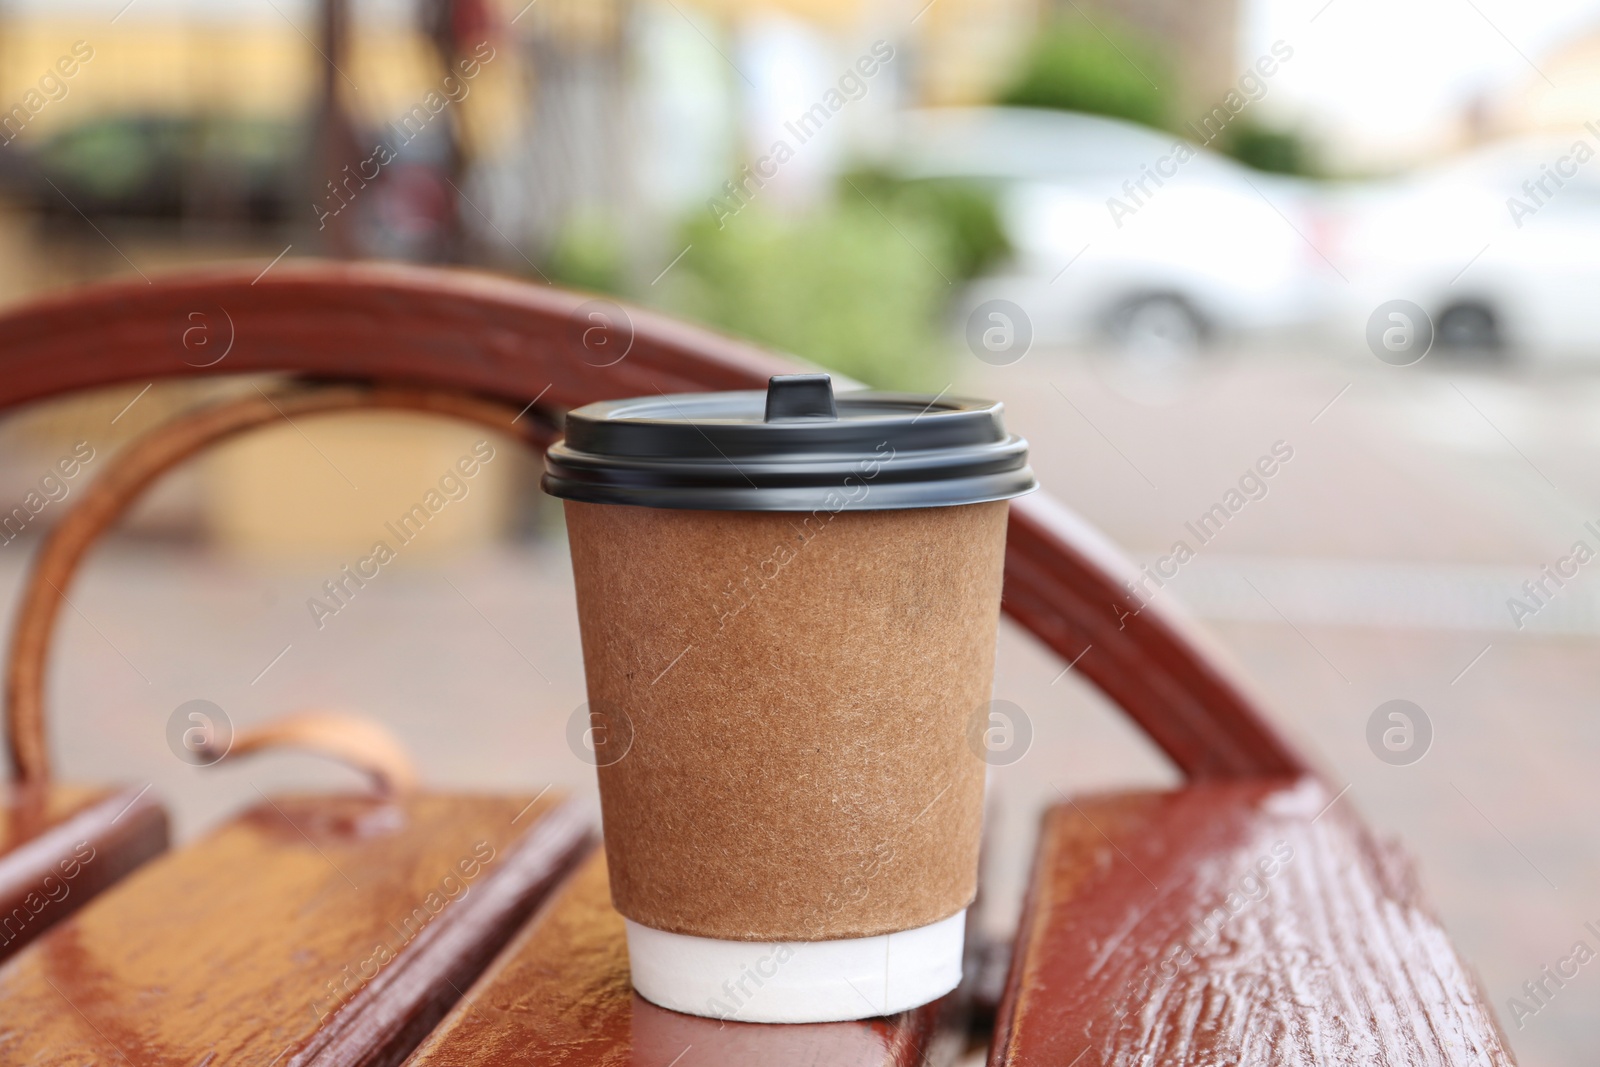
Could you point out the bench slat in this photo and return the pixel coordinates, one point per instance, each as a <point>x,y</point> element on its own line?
<point>60,845</point>
<point>559,997</point>
<point>1239,923</point>
<point>310,930</point>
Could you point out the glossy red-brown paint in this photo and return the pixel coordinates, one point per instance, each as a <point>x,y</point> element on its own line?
<point>60,845</point>
<point>516,342</point>
<point>1254,924</point>
<point>559,997</point>
<point>290,936</point>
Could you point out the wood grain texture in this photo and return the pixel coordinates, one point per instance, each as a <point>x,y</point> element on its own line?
<point>559,996</point>
<point>62,845</point>
<point>514,342</point>
<point>310,930</point>
<point>1232,923</point>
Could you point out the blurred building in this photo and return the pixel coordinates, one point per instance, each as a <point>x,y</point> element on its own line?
<point>614,108</point>
<point>963,49</point>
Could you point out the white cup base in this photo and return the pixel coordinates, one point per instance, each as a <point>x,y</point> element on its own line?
<point>797,981</point>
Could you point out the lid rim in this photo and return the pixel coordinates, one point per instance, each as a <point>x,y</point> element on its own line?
<point>793,500</point>
<point>723,451</point>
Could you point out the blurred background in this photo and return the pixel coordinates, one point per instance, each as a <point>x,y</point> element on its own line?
<point>1174,237</point>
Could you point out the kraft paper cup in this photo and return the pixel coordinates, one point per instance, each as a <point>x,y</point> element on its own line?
<point>784,636</point>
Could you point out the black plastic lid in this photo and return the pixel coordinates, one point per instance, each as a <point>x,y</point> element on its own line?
<point>795,447</point>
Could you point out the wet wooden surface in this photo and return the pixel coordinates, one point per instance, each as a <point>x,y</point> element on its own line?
<point>1239,923</point>
<point>310,930</point>
<point>559,997</point>
<point>60,845</point>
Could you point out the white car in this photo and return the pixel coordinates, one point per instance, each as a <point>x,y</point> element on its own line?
<point>1125,232</point>
<point>1500,247</point>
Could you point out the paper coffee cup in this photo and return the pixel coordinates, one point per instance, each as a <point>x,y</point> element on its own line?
<point>788,608</point>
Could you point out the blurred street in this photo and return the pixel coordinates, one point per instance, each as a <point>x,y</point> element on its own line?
<point>1376,567</point>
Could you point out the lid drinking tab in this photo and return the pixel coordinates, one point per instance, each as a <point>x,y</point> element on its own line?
<point>800,396</point>
<point>794,447</point>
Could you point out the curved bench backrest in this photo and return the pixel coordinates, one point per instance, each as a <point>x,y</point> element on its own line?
<point>524,344</point>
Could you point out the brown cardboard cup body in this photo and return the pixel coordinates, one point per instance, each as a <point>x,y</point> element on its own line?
<point>781,705</point>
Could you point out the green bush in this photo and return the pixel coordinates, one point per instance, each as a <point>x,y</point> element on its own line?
<point>859,285</point>
<point>1105,70</point>
<point>842,286</point>
<point>1264,148</point>
<point>1100,69</point>
<point>588,254</point>
<point>963,211</point>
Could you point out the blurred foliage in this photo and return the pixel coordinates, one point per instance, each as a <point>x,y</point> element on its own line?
<point>842,286</point>
<point>1073,66</point>
<point>112,158</point>
<point>965,212</point>
<point>170,166</point>
<point>858,284</point>
<point>1276,151</point>
<point>1102,70</point>
<point>588,254</point>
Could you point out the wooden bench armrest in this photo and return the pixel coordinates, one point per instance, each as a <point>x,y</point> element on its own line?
<point>1244,923</point>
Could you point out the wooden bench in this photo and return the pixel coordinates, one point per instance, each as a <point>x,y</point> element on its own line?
<point>1247,923</point>
<point>1117,877</point>
<point>559,997</point>
<point>311,929</point>
<point>62,844</point>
